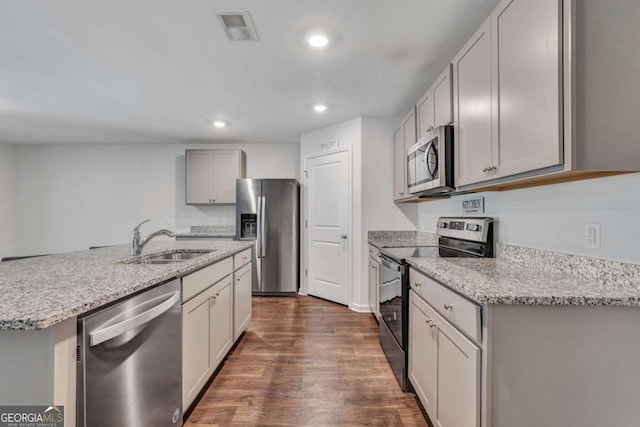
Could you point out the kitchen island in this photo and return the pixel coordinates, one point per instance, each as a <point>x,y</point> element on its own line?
<point>43,297</point>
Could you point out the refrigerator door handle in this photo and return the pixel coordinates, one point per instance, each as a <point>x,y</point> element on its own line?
<point>263,234</point>
<point>259,234</point>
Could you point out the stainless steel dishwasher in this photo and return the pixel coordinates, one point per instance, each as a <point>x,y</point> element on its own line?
<point>130,362</point>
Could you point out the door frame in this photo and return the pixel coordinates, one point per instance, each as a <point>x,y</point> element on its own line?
<point>304,234</point>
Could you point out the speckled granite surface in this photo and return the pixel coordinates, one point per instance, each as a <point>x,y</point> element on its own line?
<point>500,281</point>
<point>39,292</point>
<point>392,239</point>
<point>210,231</point>
<point>604,271</point>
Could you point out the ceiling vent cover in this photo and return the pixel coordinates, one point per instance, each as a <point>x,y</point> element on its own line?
<point>237,24</point>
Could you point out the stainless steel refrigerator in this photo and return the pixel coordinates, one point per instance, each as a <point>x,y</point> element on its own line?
<point>268,211</point>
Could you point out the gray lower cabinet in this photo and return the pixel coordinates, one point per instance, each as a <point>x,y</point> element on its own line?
<point>213,297</point>
<point>241,300</point>
<point>444,367</point>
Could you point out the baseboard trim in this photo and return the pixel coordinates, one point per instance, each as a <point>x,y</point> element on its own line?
<point>360,308</point>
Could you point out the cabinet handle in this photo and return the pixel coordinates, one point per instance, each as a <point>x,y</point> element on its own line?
<point>485,169</point>
<point>402,194</point>
<point>417,284</point>
<point>448,306</point>
<point>431,323</point>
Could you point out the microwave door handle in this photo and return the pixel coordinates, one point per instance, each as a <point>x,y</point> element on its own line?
<point>429,149</point>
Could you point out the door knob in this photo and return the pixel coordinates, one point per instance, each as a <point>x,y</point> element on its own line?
<point>343,237</point>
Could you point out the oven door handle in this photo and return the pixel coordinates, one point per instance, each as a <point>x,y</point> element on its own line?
<point>391,264</point>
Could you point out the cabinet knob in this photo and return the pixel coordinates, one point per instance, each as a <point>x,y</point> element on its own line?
<point>448,306</point>
<point>485,169</point>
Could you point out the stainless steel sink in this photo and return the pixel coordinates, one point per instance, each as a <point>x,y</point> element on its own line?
<point>168,258</point>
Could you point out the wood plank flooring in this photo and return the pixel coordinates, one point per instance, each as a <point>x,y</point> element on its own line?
<point>306,361</point>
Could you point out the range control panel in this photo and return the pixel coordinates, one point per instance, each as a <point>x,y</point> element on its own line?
<point>467,228</point>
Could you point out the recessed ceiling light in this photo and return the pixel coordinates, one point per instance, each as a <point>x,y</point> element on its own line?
<point>220,124</point>
<point>319,108</point>
<point>317,40</point>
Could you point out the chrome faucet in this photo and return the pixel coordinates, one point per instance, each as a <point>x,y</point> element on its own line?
<point>137,244</point>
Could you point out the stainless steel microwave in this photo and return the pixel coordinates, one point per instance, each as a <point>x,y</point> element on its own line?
<point>430,163</point>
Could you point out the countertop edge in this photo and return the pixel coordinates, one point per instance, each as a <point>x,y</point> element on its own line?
<point>32,324</point>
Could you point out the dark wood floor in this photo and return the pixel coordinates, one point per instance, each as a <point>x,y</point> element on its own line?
<point>305,361</point>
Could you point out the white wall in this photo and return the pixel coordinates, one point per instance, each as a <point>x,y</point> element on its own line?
<point>70,197</point>
<point>553,217</point>
<point>371,141</point>
<point>7,200</point>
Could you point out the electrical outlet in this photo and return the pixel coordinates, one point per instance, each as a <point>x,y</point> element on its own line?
<point>592,236</point>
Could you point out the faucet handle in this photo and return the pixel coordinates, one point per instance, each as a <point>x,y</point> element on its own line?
<point>138,226</point>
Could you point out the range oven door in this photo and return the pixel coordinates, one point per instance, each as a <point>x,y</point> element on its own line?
<point>393,316</point>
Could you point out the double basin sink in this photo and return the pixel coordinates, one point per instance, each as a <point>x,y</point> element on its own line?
<point>173,257</point>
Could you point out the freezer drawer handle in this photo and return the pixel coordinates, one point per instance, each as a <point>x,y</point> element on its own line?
<point>110,332</point>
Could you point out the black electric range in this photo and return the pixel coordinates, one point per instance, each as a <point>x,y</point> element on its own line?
<point>457,237</point>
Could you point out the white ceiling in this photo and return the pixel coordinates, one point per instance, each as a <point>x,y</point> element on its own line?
<point>123,71</point>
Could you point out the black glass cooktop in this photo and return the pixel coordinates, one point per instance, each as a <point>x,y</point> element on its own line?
<point>400,254</point>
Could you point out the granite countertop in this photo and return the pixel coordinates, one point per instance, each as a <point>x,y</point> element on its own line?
<point>499,281</point>
<point>213,231</point>
<point>40,292</point>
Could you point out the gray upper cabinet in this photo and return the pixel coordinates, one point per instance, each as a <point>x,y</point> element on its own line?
<point>442,98</point>
<point>399,165</point>
<point>211,176</point>
<point>508,95</point>
<point>527,96</point>
<point>403,138</point>
<point>424,113</point>
<point>435,107</point>
<point>472,108</point>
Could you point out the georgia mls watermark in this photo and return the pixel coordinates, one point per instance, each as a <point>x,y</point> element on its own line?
<point>32,416</point>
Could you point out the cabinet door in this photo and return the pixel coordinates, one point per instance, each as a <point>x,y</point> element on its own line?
<point>225,170</point>
<point>458,379</point>
<point>198,173</point>
<point>221,320</point>
<point>424,113</point>
<point>423,355</point>
<point>399,165</point>
<point>526,85</point>
<point>409,126</point>
<point>373,288</point>
<point>442,99</point>
<point>472,108</point>
<point>196,341</point>
<point>241,300</point>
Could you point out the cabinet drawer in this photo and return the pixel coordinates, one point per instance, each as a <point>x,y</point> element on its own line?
<point>200,280</point>
<point>241,259</point>
<point>458,310</point>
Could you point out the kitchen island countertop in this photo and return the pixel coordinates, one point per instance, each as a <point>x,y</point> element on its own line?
<point>43,291</point>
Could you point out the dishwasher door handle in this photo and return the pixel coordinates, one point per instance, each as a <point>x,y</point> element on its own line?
<point>105,334</point>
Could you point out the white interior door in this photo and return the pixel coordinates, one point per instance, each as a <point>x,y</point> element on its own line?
<point>329,225</point>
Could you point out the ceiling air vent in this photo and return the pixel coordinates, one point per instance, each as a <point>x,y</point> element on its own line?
<point>237,24</point>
